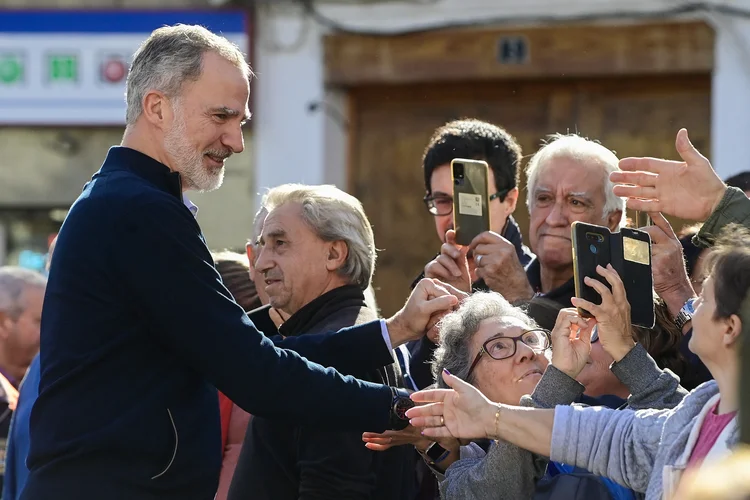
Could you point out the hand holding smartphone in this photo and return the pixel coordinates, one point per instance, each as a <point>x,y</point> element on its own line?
<point>629,252</point>
<point>471,215</point>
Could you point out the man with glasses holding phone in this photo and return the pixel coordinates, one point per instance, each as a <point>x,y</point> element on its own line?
<point>475,139</point>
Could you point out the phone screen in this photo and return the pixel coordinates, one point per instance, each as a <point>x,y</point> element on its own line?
<point>636,250</point>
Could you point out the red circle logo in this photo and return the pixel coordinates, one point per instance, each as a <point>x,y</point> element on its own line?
<point>114,70</point>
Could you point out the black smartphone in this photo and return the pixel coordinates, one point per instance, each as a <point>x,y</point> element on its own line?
<point>629,252</point>
<point>471,215</point>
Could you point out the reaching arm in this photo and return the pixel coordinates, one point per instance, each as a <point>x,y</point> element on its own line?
<point>355,351</point>
<point>621,445</point>
<point>161,239</point>
<point>554,388</point>
<point>650,386</point>
<point>734,207</point>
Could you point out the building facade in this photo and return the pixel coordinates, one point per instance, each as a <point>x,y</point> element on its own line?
<point>350,93</point>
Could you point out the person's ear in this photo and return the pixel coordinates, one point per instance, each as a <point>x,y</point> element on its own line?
<point>6,325</point>
<point>613,220</point>
<point>250,249</point>
<point>156,109</point>
<point>732,330</point>
<point>511,200</point>
<point>338,251</point>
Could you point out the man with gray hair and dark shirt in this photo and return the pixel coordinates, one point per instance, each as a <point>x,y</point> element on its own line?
<point>139,332</point>
<point>316,254</point>
<point>21,298</point>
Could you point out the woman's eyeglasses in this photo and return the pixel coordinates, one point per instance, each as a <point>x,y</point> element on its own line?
<point>500,347</point>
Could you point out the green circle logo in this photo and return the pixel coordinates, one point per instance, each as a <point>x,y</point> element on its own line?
<point>11,70</point>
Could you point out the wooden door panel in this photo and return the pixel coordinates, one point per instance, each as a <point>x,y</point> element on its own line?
<point>392,125</point>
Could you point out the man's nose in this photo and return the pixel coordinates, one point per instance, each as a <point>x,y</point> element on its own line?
<point>557,216</point>
<point>262,262</point>
<point>234,139</point>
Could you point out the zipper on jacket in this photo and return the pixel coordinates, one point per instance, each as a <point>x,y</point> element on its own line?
<point>176,442</point>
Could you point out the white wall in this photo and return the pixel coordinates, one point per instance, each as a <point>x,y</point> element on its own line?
<point>289,138</point>
<point>730,96</point>
<point>294,145</point>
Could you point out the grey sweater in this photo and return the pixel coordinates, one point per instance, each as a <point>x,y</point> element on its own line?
<point>638,449</point>
<point>508,471</point>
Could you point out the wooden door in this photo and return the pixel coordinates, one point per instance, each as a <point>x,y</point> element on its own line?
<point>392,124</point>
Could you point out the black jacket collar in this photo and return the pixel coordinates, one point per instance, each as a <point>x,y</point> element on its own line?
<point>315,311</point>
<point>561,294</point>
<point>145,167</point>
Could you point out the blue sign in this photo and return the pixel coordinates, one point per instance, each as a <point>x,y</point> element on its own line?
<point>69,67</point>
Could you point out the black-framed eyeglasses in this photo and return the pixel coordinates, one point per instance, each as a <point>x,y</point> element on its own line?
<point>443,205</point>
<point>499,347</point>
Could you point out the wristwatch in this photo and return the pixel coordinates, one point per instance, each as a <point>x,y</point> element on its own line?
<point>400,403</point>
<point>435,453</point>
<point>685,314</point>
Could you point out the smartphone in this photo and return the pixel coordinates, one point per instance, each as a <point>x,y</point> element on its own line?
<point>471,214</point>
<point>629,252</point>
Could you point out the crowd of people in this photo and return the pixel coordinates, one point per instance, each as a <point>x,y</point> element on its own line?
<point>146,366</point>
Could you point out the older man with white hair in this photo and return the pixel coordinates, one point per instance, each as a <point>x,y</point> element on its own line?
<point>568,181</point>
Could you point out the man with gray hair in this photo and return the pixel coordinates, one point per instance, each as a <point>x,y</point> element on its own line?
<point>568,181</point>
<point>139,331</point>
<point>316,255</point>
<point>21,298</point>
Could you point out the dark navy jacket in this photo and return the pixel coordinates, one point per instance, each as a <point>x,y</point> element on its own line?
<point>138,332</point>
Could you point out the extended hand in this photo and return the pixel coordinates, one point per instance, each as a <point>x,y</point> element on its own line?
<point>689,189</point>
<point>411,435</point>
<point>428,301</point>
<point>460,412</point>
<point>613,315</point>
<point>451,266</point>
<point>388,439</point>
<point>671,281</point>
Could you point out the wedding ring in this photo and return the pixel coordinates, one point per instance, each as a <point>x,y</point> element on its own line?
<point>442,421</point>
<point>478,260</point>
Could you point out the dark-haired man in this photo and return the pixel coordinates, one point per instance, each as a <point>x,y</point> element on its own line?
<point>478,140</point>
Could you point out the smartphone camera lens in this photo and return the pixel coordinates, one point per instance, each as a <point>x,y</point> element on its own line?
<point>458,170</point>
<point>593,248</point>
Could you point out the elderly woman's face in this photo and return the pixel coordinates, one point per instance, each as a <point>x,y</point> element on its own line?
<point>506,380</point>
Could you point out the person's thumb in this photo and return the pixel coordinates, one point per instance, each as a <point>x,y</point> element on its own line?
<point>662,223</point>
<point>686,149</point>
<point>450,237</point>
<point>454,382</point>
